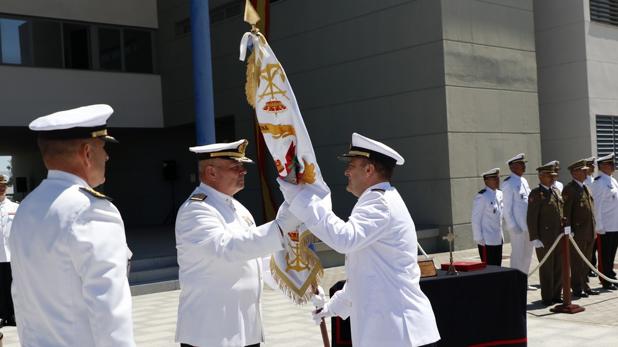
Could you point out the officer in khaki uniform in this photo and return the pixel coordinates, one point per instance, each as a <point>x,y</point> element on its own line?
<point>545,222</point>
<point>579,215</point>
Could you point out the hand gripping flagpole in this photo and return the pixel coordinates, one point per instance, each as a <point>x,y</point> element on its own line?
<point>298,270</point>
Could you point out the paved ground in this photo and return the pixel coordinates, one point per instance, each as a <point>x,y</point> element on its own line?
<point>288,325</point>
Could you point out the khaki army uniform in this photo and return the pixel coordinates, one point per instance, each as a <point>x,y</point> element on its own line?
<point>579,215</point>
<point>544,220</point>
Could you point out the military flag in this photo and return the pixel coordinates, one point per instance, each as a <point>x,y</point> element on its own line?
<point>297,269</point>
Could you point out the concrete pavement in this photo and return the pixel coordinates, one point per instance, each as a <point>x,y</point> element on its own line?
<point>288,325</point>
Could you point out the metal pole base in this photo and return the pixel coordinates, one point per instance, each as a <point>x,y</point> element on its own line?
<point>567,308</point>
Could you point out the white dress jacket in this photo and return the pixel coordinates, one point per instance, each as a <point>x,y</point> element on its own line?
<point>7,213</point>
<point>487,217</point>
<point>69,264</point>
<point>385,303</point>
<point>221,278</point>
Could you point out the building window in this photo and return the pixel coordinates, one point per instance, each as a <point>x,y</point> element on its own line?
<point>605,11</point>
<point>607,135</point>
<point>76,46</point>
<point>110,53</point>
<point>46,43</point>
<point>14,41</point>
<point>137,50</point>
<point>72,45</point>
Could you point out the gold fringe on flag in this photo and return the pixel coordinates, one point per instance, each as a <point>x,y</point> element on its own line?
<point>303,294</point>
<point>253,78</point>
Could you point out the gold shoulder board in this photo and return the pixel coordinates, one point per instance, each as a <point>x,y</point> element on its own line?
<point>198,197</point>
<point>94,193</point>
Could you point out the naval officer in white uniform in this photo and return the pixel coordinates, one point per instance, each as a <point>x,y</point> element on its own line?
<point>515,191</point>
<point>7,213</point>
<point>486,219</point>
<point>68,246</point>
<point>382,294</point>
<point>220,252</point>
<point>605,194</point>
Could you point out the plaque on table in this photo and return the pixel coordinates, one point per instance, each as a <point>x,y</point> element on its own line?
<point>428,269</point>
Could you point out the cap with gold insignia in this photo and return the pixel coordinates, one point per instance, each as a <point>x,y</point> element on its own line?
<point>234,150</point>
<point>365,147</point>
<point>495,172</point>
<point>547,169</point>
<point>555,164</point>
<point>521,157</point>
<point>3,180</point>
<point>606,158</point>
<point>590,161</point>
<point>78,123</point>
<point>581,164</point>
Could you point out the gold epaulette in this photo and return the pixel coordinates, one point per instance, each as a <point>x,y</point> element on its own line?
<point>198,197</point>
<point>95,193</point>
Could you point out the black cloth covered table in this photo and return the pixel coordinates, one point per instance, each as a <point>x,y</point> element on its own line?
<point>479,308</point>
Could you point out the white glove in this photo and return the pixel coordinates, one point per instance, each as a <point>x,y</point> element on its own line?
<point>480,242</point>
<point>601,232</point>
<point>285,219</point>
<point>321,313</point>
<point>537,244</point>
<point>288,190</point>
<point>319,299</point>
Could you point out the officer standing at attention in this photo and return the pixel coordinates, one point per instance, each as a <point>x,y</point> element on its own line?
<point>515,190</point>
<point>487,219</point>
<point>7,213</point>
<point>556,164</point>
<point>545,222</point>
<point>605,194</point>
<point>579,216</point>
<point>591,164</point>
<point>220,252</point>
<point>68,246</point>
<point>382,293</point>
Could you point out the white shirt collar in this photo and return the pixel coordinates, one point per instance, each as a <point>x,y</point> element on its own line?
<point>212,192</point>
<point>65,176</point>
<point>382,185</point>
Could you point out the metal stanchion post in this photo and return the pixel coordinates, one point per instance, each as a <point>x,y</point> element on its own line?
<point>566,306</point>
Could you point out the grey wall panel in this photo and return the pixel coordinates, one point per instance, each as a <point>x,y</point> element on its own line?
<point>489,23</point>
<point>141,13</point>
<point>561,45</point>
<point>564,82</point>
<point>554,13</point>
<point>472,154</point>
<point>292,17</point>
<point>136,98</point>
<point>486,110</point>
<point>400,115</point>
<point>428,201</point>
<point>489,67</point>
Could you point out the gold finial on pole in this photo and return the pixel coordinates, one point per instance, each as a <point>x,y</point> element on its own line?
<point>251,16</point>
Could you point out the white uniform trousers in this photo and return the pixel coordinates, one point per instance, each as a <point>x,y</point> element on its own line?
<point>521,250</point>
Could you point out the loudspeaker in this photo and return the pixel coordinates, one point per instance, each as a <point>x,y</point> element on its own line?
<point>21,185</point>
<point>169,170</point>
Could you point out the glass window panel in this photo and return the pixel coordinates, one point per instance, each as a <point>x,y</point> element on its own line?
<point>14,41</point>
<point>137,50</point>
<point>76,46</point>
<point>47,43</point>
<point>109,49</point>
